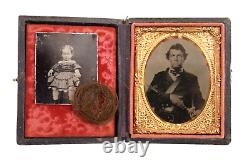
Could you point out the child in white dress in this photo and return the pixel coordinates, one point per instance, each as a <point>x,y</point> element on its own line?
<point>64,76</point>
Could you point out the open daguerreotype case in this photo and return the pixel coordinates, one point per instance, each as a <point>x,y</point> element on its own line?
<point>168,80</point>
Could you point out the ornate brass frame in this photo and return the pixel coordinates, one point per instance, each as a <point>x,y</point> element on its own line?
<point>209,37</point>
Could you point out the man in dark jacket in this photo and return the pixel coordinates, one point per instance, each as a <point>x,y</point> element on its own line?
<point>174,94</point>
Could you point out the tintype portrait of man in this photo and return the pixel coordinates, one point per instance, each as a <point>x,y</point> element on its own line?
<point>174,94</point>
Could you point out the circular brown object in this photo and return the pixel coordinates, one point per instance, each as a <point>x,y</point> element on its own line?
<point>95,102</point>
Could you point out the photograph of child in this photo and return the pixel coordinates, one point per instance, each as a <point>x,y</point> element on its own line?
<point>64,75</point>
<point>63,61</point>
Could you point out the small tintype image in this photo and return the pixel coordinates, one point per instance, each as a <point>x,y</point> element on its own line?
<point>63,61</point>
<point>177,80</point>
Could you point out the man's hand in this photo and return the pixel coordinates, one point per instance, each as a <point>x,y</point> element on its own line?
<point>177,100</point>
<point>192,112</point>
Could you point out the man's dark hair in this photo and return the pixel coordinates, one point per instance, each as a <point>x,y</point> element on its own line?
<point>177,47</point>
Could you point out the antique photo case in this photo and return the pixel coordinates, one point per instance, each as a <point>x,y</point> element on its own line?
<point>180,74</point>
<point>56,55</point>
<point>171,77</point>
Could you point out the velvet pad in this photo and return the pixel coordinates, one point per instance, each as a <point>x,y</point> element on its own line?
<point>42,120</point>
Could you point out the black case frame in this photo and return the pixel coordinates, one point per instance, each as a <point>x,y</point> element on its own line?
<point>123,28</point>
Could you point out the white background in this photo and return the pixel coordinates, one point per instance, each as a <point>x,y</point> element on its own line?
<point>237,153</point>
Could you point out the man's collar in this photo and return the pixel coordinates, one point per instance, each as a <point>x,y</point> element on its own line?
<point>181,70</point>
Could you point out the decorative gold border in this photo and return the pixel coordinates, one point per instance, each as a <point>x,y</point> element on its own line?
<point>209,39</point>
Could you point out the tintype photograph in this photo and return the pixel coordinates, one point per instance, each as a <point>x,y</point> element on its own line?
<point>178,86</point>
<point>63,61</point>
<point>177,80</point>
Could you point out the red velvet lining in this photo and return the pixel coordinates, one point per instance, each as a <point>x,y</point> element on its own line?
<point>43,120</point>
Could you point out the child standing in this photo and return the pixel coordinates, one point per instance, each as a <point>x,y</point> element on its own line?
<point>64,76</point>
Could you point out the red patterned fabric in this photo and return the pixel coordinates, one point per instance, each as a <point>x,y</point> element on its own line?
<point>59,120</point>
